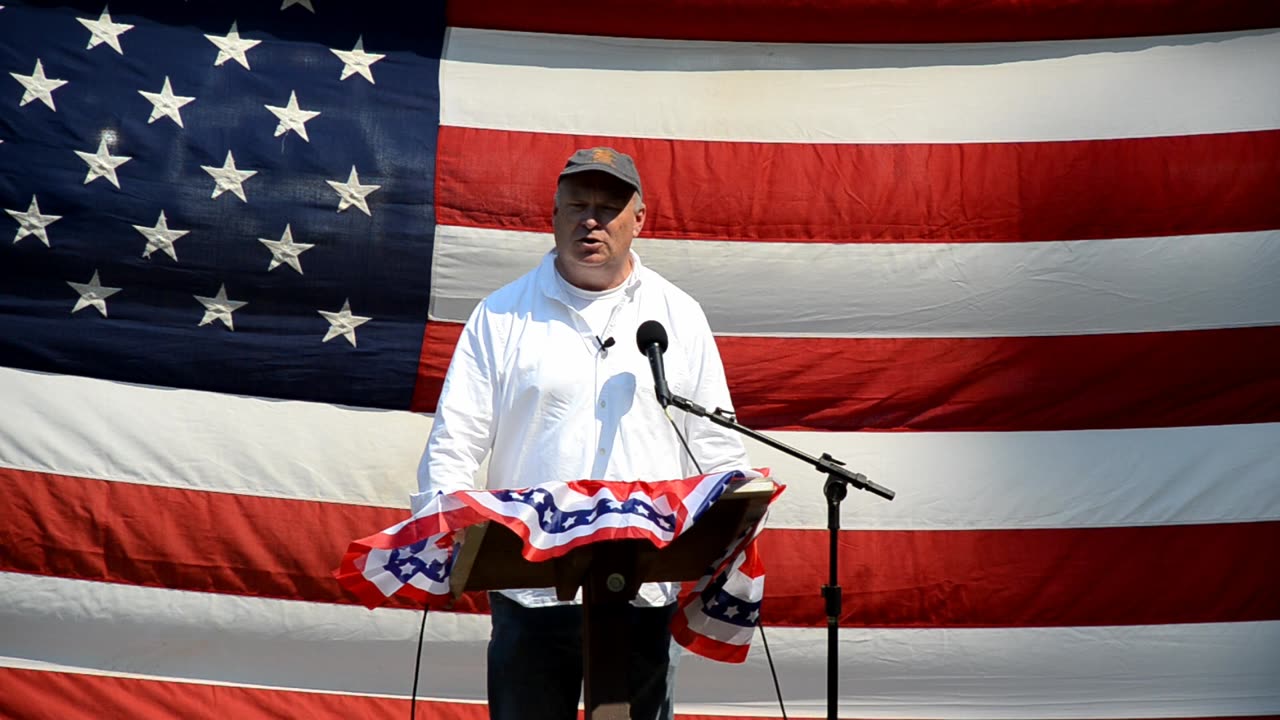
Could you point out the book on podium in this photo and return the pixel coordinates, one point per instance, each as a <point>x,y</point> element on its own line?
<point>609,573</point>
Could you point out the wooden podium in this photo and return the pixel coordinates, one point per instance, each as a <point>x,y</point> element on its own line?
<point>610,574</point>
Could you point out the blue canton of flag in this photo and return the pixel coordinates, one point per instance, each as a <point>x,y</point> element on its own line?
<point>236,198</point>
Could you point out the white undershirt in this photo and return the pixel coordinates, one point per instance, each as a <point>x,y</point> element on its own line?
<point>595,306</point>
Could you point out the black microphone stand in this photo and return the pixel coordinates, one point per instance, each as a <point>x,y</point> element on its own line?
<point>836,488</point>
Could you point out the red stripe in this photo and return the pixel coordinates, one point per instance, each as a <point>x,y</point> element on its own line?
<point>269,547</point>
<point>852,193</point>
<point>40,695</point>
<point>1202,377</point>
<point>1028,578</point>
<point>870,21</point>
<point>183,539</point>
<point>45,695</point>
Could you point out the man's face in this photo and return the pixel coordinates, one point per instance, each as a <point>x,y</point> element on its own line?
<point>595,221</point>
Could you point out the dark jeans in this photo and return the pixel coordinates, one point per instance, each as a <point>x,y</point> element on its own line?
<point>535,662</point>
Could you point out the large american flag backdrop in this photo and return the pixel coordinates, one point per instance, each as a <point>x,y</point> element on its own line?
<point>1018,261</point>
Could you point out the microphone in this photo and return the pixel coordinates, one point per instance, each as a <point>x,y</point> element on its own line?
<point>604,344</point>
<point>651,338</point>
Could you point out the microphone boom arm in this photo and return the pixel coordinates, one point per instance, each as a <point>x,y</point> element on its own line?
<point>834,469</point>
<point>835,489</point>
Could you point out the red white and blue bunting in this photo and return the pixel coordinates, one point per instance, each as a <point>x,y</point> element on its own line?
<point>415,557</point>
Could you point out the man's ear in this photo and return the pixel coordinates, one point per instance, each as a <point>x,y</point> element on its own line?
<point>640,214</point>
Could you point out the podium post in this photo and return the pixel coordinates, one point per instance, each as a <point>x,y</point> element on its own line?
<point>610,574</point>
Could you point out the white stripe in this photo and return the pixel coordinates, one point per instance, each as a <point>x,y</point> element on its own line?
<point>1081,287</point>
<point>1024,480</point>
<point>1091,672</point>
<point>187,439</point>
<point>208,441</point>
<point>935,93</point>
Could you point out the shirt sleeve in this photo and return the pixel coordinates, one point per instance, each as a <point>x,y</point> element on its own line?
<point>462,434</point>
<point>717,449</point>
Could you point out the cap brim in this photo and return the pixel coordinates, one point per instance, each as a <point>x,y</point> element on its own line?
<point>601,167</point>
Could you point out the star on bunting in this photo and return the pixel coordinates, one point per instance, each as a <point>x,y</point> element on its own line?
<point>102,164</point>
<point>304,3</point>
<point>165,103</point>
<point>92,294</point>
<point>160,237</point>
<point>219,308</point>
<point>292,117</point>
<point>103,30</point>
<point>352,192</point>
<point>356,60</point>
<point>232,46</point>
<point>343,323</point>
<point>228,178</point>
<point>38,87</point>
<point>32,222</point>
<point>285,251</point>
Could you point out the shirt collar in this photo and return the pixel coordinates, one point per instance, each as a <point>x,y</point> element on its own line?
<point>550,285</point>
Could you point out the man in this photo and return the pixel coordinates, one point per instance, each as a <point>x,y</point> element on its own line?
<point>546,378</point>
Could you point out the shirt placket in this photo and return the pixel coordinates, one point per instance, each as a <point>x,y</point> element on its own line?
<point>601,357</point>
<point>592,342</point>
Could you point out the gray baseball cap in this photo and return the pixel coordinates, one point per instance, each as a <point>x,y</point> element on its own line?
<point>606,160</point>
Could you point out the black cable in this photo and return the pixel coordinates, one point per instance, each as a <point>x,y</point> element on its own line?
<point>772,670</point>
<point>417,665</point>
<point>680,435</point>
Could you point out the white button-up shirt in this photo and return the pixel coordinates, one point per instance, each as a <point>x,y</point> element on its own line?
<point>530,385</point>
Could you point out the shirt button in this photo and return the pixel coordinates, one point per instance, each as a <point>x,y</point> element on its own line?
<point>600,451</point>
<point>602,403</point>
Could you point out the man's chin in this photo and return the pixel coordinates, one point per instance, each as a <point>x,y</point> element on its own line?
<point>591,260</point>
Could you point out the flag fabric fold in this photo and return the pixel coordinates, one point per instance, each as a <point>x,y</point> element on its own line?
<point>718,618</point>
<point>1018,261</point>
